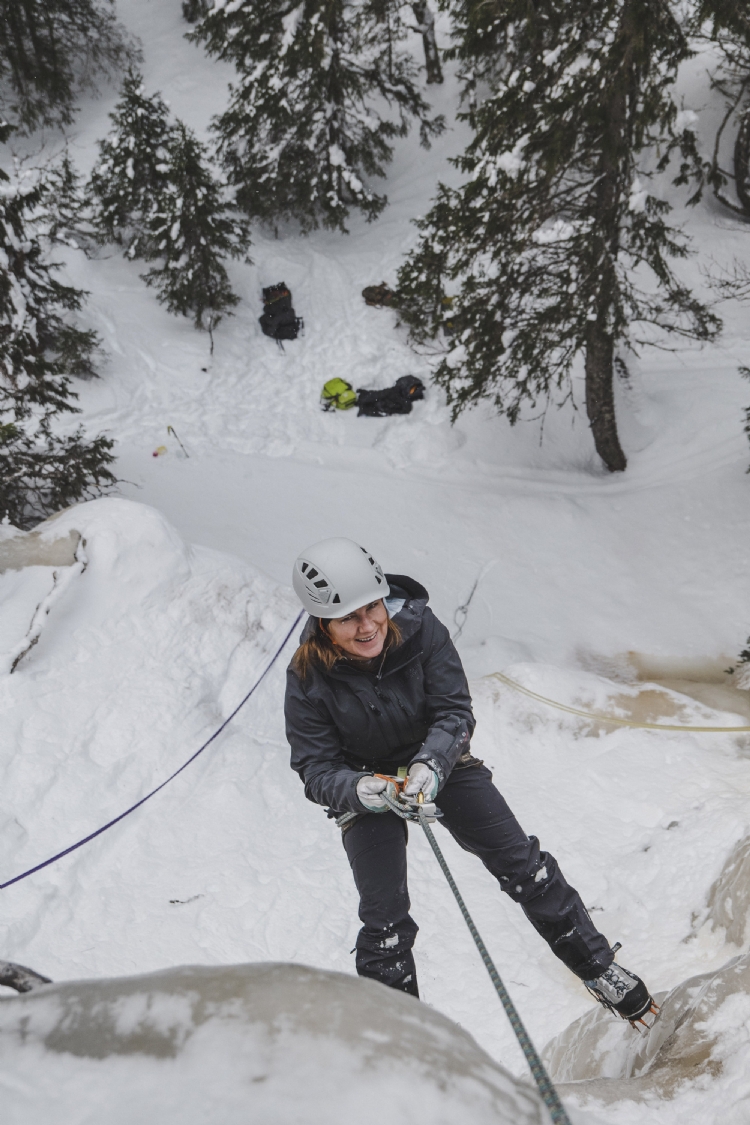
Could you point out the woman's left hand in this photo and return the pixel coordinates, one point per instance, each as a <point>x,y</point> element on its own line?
<point>421,779</point>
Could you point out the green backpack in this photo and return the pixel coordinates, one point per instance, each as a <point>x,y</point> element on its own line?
<point>338,395</point>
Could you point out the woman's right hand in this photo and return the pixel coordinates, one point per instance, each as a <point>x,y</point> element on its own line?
<point>369,792</point>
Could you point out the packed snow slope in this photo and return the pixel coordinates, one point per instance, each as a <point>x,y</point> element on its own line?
<point>589,586</point>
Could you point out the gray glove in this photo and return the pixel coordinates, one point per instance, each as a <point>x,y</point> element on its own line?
<point>421,779</point>
<point>369,790</point>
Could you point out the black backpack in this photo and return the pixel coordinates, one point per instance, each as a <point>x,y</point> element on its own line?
<point>393,400</point>
<point>279,320</point>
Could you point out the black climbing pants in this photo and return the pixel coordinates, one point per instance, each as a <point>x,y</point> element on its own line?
<point>478,818</point>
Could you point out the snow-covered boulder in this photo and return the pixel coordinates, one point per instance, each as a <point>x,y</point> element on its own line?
<point>262,1043</point>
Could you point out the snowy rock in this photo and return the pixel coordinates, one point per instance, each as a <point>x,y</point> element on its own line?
<point>36,568</point>
<point>33,548</point>
<point>267,1043</point>
<point>729,897</point>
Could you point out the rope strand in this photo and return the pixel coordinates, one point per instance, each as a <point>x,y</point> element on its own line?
<point>610,718</point>
<point>544,1083</point>
<point>137,805</point>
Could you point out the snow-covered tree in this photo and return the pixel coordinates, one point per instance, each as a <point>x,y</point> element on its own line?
<point>132,168</point>
<point>191,229</point>
<point>194,10</point>
<point>324,87</point>
<point>556,246</point>
<point>727,24</point>
<point>40,348</point>
<point>51,48</point>
<point>64,213</point>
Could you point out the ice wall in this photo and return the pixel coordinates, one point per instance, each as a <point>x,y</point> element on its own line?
<point>697,1051</point>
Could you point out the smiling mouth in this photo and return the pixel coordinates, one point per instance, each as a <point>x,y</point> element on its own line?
<point>366,640</point>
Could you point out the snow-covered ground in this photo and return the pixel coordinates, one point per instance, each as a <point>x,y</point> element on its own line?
<point>590,586</point>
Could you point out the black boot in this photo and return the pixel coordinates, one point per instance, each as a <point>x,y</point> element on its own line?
<point>622,992</point>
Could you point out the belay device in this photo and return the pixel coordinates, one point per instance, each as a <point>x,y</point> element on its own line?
<point>279,319</point>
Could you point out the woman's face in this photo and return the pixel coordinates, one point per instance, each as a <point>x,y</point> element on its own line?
<point>362,632</point>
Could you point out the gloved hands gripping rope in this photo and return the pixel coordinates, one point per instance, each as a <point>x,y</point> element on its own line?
<point>372,788</point>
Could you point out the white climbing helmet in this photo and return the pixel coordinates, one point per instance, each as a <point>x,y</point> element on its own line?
<point>336,576</point>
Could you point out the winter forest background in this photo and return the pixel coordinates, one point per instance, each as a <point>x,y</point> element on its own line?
<point>555,249</point>
<point>557,198</point>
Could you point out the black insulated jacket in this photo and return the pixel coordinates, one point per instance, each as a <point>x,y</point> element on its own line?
<point>414,706</point>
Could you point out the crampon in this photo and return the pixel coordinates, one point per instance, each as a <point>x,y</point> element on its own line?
<point>625,995</point>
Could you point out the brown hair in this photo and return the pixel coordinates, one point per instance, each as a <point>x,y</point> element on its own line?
<point>319,651</point>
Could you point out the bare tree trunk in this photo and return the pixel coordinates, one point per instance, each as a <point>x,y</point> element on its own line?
<point>600,337</point>
<point>426,25</point>
<point>742,162</point>
<point>600,400</point>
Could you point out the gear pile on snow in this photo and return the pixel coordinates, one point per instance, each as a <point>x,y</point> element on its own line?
<point>337,394</point>
<point>379,296</point>
<point>279,320</point>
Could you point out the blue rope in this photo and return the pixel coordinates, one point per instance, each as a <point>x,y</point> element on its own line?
<point>137,805</point>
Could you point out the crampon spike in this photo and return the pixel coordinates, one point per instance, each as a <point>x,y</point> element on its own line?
<point>653,1011</point>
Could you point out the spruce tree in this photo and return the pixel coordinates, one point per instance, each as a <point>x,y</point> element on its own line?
<point>323,90</point>
<point>132,169</point>
<point>64,212</point>
<point>194,10</point>
<point>556,247</point>
<point>191,229</point>
<point>51,48</point>
<point>40,348</point>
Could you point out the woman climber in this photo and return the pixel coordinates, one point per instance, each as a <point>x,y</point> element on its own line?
<point>376,686</point>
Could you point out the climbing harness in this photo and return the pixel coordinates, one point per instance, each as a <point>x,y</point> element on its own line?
<point>172,776</point>
<point>422,813</point>
<point>611,718</point>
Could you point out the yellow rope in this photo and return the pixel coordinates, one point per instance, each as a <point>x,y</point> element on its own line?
<point>610,718</point>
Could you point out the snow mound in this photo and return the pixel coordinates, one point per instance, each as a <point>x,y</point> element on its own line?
<point>267,1043</point>
<point>140,652</point>
<point>695,1058</point>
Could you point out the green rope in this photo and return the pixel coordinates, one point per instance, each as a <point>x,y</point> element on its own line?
<point>549,1094</point>
<point>611,719</point>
